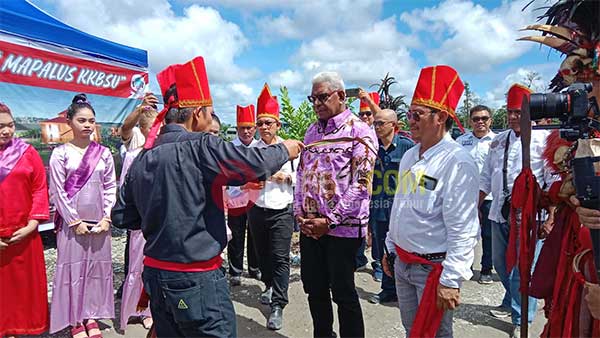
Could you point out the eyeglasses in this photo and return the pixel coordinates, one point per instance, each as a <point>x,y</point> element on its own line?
<point>378,124</point>
<point>480,118</point>
<point>416,115</point>
<point>365,113</point>
<point>321,97</point>
<point>267,123</point>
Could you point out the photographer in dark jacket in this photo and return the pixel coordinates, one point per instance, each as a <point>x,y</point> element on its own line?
<point>174,190</point>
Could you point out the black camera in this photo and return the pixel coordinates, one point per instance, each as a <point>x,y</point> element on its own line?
<point>572,107</point>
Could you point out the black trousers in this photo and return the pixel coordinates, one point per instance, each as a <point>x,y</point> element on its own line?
<point>328,265</point>
<point>235,247</point>
<point>272,234</point>
<point>190,304</point>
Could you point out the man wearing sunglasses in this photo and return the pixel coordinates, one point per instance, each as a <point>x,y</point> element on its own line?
<point>433,222</point>
<point>369,106</point>
<point>477,142</point>
<point>331,204</point>
<point>501,168</point>
<point>270,219</point>
<point>385,180</point>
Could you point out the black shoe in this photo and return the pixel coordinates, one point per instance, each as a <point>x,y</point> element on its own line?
<point>382,299</point>
<point>265,296</point>
<point>256,274</point>
<point>235,280</point>
<point>275,321</point>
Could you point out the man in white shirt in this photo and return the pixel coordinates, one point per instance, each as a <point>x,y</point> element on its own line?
<point>477,142</point>
<point>433,225</point>
<point>493,182</point>
<point>271,219</point>
<point>237,206</point>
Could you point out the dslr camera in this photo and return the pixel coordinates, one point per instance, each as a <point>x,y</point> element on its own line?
<point>579,119</point>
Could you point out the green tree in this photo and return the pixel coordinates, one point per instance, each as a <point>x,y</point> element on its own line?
<point>499,118</point>
<point>295,121</point>
<point>470,101</point>
<point>388,101</point>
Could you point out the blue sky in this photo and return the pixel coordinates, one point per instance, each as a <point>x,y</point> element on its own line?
<point>246,43</point>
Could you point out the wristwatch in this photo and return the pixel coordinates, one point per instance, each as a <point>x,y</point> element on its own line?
<point>330,225</point>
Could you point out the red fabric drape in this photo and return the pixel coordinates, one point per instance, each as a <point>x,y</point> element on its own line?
<point>429,316</point>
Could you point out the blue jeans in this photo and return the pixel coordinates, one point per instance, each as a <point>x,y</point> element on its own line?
<point>361,259</point>
<point>410,284</point>
<point>511,281</point>
<point>486,238</point>
<point>379,231</point>
<point>190,304</point>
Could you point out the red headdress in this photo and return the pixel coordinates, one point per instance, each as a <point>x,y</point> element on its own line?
<point>365,106</point>
<point>192,91</point>
<point>266,105</point>
<point>245,116</point>
<point>515,96</point>
<point>439,87</point>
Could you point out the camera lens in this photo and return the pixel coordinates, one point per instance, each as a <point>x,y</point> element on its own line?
<point>550,105</point>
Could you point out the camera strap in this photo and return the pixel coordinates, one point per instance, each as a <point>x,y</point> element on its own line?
<point>505,166</point>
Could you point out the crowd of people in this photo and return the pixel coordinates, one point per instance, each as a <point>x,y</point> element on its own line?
<point>185,195</point>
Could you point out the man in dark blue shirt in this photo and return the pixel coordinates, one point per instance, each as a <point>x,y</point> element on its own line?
<point>385,179</point>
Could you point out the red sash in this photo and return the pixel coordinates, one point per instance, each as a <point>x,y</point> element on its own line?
<point>429,316</point>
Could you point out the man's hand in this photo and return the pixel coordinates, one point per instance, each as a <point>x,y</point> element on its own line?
<point>588,217</point>
<point>592,298</point>
<point>363,95</point>
<point>294,148</point>
<point>281,177</point>
<point>149,100</point>
<point>254,185</point>
<point>82,228</point>
<point>313,227</point>
<point>447,298</point>
<point>18,235</point>
<point>545,229</point>
<point>385,265</point>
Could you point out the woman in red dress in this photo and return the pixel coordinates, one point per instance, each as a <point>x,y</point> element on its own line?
<point>23,204</point>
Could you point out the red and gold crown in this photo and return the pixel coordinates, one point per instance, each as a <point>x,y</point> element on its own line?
<point>364,106</point>
<point>515,95</point>
<point>267,105</point>
<point>439,87</point>
<point>166,78</point>
<point>192,84</point>
<point>245,116</point>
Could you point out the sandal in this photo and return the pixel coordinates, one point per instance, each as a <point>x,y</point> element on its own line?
<point>92,325</point>
<point>147,322</point>
<point>76,332</point>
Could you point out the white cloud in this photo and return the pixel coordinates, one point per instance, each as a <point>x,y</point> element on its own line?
<point>470,37</point>
<point>227,96</point>
<point>289,78</point>
<point>362,56</point>
<point>496,97</point>
<point>307,19</point>
<point>152,25</point>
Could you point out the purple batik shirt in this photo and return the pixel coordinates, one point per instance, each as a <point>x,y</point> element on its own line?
<point>334,179</point>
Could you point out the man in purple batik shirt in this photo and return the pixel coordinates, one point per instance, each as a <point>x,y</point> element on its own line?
<point>331,204</point>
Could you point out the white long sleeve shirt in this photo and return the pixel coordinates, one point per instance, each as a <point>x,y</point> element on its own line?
<point>236,197</point>
<point>435,208</point>
<point>274,195</point>
<point>478,148</point>
<point>492,177</point>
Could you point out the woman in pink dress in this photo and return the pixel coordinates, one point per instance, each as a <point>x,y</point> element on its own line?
<point>83,188</point>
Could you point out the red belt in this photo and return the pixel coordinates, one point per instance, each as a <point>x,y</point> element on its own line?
<point>429,316</point>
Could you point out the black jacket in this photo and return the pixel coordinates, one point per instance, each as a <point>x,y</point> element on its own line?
<point>174,192</point>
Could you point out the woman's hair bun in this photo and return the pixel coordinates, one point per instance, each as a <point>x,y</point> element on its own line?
<point>80,98</point>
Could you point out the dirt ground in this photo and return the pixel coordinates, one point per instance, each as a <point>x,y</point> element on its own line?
<point>471,319</point>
